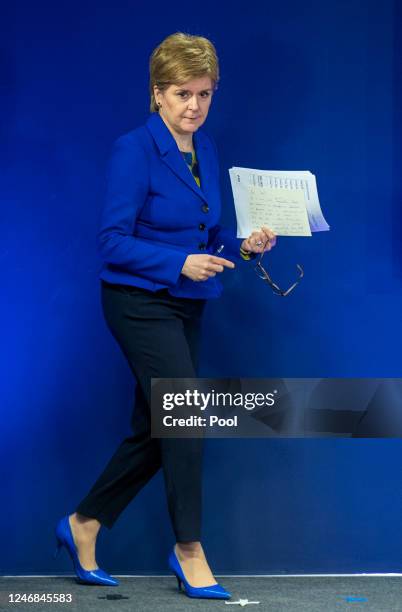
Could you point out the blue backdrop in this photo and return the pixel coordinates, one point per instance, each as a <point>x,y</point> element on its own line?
<point>312,85</point>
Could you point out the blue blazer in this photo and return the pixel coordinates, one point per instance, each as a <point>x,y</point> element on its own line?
<point>155,214</point>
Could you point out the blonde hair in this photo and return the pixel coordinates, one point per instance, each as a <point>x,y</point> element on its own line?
<point>179,58</point>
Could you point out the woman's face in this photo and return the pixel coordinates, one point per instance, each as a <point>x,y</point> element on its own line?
<point>185,107</point>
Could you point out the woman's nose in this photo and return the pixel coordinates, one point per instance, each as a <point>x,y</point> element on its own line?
<point>193,103</point>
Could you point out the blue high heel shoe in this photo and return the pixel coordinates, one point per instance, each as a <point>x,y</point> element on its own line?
<point>214,591</point>
<point>65,538</point>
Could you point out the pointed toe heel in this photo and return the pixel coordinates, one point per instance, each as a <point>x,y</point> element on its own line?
<point>64,537</point>
<point>214,591</point>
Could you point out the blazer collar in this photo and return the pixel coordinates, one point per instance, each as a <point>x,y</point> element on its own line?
<point>171,155</point>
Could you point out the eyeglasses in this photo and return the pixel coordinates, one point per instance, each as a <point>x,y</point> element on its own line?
<point>262,273</point>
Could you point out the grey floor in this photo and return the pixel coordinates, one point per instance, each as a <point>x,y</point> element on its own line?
<point>160,594</point>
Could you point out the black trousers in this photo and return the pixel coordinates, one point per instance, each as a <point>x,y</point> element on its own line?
<point>159,336</point>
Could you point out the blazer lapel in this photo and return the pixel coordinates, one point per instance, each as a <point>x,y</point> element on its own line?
<point>207,165</point>
<point>172,157</point>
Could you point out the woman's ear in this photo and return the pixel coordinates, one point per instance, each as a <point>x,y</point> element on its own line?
<point>156,94</point>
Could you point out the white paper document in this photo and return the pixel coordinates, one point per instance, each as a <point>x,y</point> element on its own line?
<point>285,201</point>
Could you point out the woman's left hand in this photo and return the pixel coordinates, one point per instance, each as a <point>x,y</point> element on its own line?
<point>260,241</point>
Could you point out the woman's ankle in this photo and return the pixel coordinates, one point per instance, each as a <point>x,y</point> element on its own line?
<point>85,523</point>
<point>189,548</point>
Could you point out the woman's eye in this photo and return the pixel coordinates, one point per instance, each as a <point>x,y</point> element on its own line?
<point>184,94</point>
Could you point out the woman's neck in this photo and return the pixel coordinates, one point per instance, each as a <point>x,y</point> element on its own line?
<point>184,142</point>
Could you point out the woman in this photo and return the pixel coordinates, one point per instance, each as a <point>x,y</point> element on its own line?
<point>158,236</point>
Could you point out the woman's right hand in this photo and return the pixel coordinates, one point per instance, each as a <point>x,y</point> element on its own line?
<point>201,267</point>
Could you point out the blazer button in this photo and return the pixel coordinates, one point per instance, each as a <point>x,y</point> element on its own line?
<point>205,208</point>
<point>202,226</point>
<point>202,246</point>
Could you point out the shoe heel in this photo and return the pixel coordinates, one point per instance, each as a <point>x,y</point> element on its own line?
<point>213,591</point>
<point>57,549</point>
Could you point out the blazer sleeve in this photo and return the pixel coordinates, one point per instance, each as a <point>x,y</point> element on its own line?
<point>126,193</point>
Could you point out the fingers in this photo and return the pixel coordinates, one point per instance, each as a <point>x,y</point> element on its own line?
<point>208,272</point>
<point>201,267</point>
<point>266,240</point>
<point>211,266</point>
<point>221,261</point>
<point>260,241</point>
<point>254,242</point>
<point>214,268</point>
<point>270,235</point>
